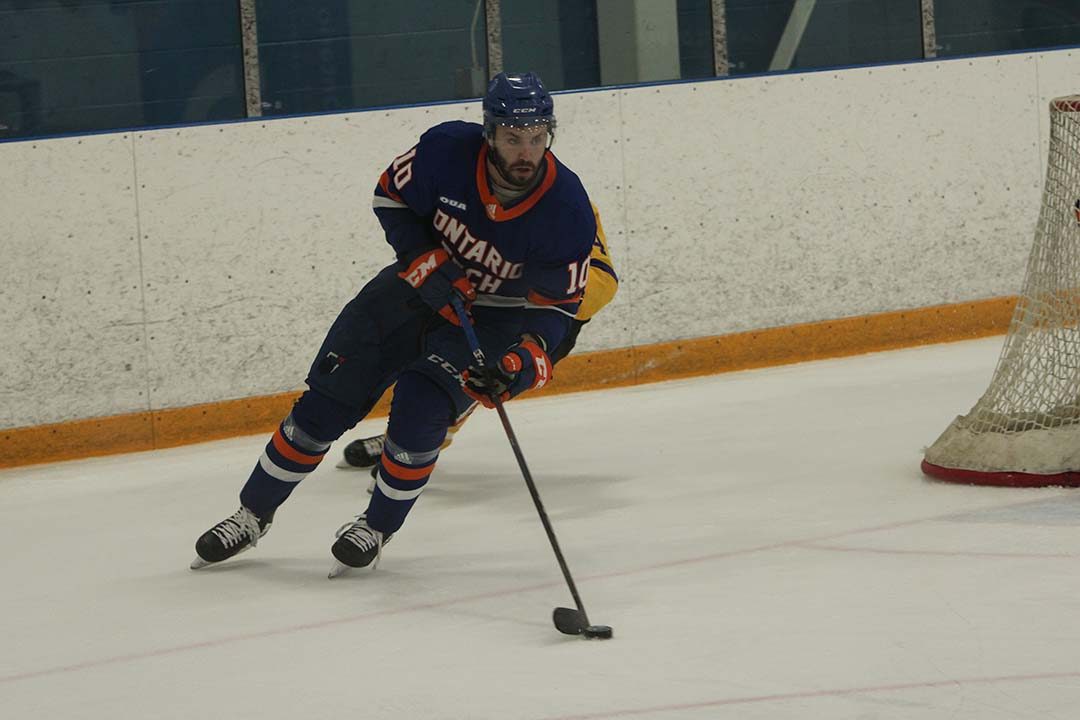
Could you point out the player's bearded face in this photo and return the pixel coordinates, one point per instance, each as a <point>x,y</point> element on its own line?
<point>517,152</point>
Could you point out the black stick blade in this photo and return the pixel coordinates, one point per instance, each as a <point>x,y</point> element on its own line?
<point>569,621</point>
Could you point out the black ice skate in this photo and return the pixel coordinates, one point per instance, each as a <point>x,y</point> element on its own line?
<point>363,453</point>
<point>357,546</point>
<point>231,536</point>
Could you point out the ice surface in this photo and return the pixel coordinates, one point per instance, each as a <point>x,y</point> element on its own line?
<point>762,543</point>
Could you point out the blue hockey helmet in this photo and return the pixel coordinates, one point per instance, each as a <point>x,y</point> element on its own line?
<point>517,101</point>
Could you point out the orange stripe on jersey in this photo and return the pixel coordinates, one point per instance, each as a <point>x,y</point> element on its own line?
<point>494,208</point>
<point>401,472</point>
<point>537,299</point>
<point>384,183</point>
<point>291,453</point>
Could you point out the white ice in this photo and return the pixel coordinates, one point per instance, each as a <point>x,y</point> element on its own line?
<point>762,543</point>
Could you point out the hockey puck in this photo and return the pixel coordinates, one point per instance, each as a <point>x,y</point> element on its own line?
<point>598,632</point>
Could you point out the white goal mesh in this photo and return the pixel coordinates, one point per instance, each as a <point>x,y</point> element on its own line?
<point>1025,430</point>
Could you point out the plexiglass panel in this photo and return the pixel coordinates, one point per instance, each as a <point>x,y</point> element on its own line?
<point>109,64</point>
<point>575,44</point>
<point>85,65</point>
<point>323,55</point>
<point>695,39</point>
<point>555,38</point>
<point>981,26</point>
<point>775,35</point>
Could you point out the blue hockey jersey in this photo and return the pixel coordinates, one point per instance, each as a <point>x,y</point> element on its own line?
<point>531,257</point>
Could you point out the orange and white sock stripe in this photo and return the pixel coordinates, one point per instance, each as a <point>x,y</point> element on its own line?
<point>403,474</point>
<point>291,454</point>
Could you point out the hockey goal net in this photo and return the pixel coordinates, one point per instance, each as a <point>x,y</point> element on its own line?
<point>1025,430</point>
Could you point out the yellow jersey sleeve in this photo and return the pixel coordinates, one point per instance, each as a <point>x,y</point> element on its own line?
<point>603,282</point>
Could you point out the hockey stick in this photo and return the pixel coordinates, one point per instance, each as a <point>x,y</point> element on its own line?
<point>567,620</point>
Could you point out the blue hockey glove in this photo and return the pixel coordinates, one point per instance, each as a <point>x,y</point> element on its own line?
<point>523,367</point>
<point>435,276</point>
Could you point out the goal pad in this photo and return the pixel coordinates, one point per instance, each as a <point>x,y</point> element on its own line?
<point>1025,429</point>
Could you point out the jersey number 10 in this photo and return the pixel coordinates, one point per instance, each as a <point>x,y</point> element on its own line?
<point>579,275</point>
<point>403,169</point>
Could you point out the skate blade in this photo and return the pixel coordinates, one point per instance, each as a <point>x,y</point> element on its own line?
<point>338,569</point>
<point>198,562</point>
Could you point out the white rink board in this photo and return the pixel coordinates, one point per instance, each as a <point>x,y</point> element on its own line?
<point>71,321</point>
<point>1057,78</point>
<point>730,205</point>
<point>254,237</point>
<point>806,197</point>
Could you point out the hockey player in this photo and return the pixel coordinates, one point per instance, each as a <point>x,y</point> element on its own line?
<point>603,283</point>
<point>484,213</point>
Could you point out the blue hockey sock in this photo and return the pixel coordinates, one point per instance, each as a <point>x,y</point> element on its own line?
<point>419,416</point>
<point>295,450</point>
